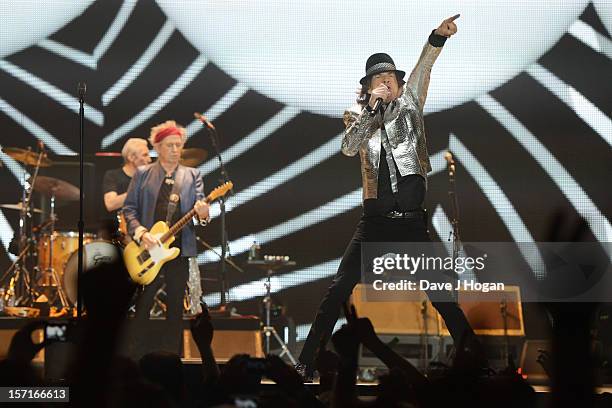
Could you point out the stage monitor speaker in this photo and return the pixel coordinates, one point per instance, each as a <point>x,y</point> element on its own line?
<point>226,344</point>
<point>394,317</point>
<point>529,366</point>
<point>484,311</point>
<point>419,350</point>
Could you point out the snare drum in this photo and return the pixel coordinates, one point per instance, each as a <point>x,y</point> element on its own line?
<point>64,244</point>
<point>94,253</point>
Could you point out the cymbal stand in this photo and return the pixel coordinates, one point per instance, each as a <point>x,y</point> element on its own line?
<point>60,291</point>
<point>20,286</point>
<point>28,279</point>
<point>20,290</point>
<point>270,263</point>
<point>268,329</point>
<point>18,267</point>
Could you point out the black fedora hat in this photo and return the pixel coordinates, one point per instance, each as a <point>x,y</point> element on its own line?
<point>378,63</point>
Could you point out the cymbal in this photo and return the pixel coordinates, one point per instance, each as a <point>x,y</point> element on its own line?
<point>193,157</point>
<point>27,156</point>
<point>108,154</point>
<point>18,207</point>
<point>60,188</point>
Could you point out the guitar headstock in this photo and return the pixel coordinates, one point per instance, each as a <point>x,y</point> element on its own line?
<point>219,191</point>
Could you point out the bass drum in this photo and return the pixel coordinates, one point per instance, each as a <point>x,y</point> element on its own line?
<point>94,253</point>
<point>64,244</point>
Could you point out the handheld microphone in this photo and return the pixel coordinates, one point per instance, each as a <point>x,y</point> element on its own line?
<point>376,106</point>
<point>204,121</point>
<point>378,102</point>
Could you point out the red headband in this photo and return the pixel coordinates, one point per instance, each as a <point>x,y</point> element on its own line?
<point>169,131</point>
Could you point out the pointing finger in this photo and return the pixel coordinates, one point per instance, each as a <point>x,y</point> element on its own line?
<point>453,18</point>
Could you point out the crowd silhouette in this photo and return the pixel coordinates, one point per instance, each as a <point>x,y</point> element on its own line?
<point>100,377</point>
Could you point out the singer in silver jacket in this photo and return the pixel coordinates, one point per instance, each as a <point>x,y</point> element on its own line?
<point>403,122</point>
<point>389,119</point>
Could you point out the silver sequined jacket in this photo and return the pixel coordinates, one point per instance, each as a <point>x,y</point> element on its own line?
<point>403,122</point>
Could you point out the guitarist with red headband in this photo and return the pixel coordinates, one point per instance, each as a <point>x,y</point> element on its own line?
<point>166,191</point>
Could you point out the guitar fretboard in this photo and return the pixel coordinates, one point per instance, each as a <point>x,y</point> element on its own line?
<point>178,226</point>
<point>216,193</point>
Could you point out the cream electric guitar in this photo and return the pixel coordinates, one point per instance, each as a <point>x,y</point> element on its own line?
<point>143,265</point>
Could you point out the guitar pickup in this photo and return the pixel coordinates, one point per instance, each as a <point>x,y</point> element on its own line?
<point>143,257</point>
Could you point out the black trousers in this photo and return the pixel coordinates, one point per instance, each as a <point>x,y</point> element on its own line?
<point>374,229</point>
<point>174,274</point>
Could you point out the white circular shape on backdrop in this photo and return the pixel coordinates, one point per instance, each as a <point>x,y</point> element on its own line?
<point>26,22</point>
<point>311,54</point>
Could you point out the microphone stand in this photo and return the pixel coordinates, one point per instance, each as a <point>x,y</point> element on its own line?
<point>223,304</point>
<point>226,260</point>
<point>424,337</point>
<point>452,194</point>
<point>82,88</point>
<point>507,357</point>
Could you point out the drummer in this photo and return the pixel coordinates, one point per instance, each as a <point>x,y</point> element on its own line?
<point>135,153</point>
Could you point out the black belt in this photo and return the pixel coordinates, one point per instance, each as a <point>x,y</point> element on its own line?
<point>405,215</point>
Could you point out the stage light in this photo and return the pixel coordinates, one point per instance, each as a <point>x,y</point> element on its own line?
<point>311,54</point>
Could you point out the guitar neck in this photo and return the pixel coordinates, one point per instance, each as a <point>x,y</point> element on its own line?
<point>178,226</point>
<point>215,194</point>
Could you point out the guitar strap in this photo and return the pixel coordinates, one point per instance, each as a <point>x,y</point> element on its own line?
<point>172,204</point>
<point>173,200</point>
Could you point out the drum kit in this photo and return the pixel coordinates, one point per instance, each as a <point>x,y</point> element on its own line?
<point>46,266</point>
